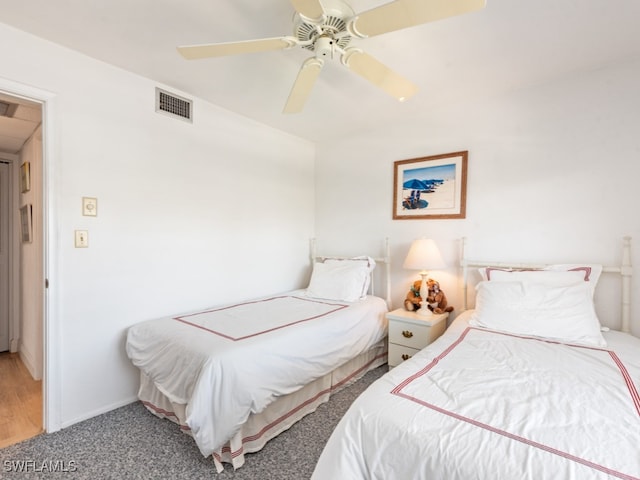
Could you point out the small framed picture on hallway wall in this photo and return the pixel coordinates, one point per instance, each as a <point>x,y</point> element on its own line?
<point>25,177</point>
<point>432,187</point>
<point>26,223</point>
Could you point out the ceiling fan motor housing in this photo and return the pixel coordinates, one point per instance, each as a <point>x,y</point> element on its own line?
<point>332,27</point>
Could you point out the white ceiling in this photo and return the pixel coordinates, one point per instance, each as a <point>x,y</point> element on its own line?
<point>508,45</point>
<point>14,130</point>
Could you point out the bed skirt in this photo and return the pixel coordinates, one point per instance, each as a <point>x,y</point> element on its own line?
<point>278,416</point>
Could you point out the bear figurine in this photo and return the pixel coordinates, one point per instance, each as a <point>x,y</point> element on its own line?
<point>436,299</point>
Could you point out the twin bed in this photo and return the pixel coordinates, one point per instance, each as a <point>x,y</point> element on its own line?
<point>528,384</point>
<point>235,376</point>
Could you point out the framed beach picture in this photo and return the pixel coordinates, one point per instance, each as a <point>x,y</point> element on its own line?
<point>26,223</point>
<point>432,187</point>
<point>25,177</point>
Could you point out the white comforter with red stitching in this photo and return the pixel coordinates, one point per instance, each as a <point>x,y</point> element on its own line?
<point>228,362</point>
<point>483,405</point>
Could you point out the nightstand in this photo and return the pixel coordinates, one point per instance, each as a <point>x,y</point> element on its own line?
<point>410,332</point>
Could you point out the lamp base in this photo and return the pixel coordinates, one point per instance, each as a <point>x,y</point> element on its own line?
<point>424,310</point>
<point>424,293</point>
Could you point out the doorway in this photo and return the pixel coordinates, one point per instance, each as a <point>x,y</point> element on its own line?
<point>22,295</point>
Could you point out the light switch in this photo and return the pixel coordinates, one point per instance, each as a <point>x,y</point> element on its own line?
<point>82,238</point>
<point>89,206</point>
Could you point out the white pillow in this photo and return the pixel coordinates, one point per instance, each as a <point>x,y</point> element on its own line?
<point>564,313</point>
<point>553,275</point>
<point>368,262</point>
<point>344,281</point>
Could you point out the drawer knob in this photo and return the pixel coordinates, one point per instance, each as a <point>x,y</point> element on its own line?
<point>405,356</point>
<point>407,334</point>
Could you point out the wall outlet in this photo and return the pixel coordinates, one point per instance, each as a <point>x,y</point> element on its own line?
<point>82,238</point>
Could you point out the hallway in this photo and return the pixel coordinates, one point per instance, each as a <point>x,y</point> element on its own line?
<point>20,401</point>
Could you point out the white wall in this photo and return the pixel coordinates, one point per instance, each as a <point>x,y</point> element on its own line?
<point>553,176</point>
<point>189,215</point>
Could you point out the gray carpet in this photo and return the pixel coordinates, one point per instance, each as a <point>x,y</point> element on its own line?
<point>131,443</point>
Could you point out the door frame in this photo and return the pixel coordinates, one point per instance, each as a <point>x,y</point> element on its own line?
<point>52,374</point>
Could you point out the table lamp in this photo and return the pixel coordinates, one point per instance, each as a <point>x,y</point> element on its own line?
<point>424,255</point>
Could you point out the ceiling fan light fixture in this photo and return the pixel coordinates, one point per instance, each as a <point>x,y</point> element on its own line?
<point>325,46</point>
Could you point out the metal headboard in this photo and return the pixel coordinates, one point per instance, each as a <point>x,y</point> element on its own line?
<point>385,260</point>
<point>625,270</point>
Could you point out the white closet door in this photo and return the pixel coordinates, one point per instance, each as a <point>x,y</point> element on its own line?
<point>5,224</point>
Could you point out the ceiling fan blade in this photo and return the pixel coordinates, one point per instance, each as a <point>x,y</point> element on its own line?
<point>310,9</point>
<point>192,52</point>
<point>303,85</point>
<point>408,13</point>
<point>378,74</point>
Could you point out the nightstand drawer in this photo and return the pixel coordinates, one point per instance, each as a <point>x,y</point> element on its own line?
<point>400,353</point>
<point>410,335</point>
<point>410,332</point>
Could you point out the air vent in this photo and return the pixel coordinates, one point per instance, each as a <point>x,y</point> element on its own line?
<point>7,109</point>
<point>173,105</point>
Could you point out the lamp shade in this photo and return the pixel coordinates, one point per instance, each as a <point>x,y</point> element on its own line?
<point>424,255</point>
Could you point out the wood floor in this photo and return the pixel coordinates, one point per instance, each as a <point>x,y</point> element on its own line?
<point>20,401</point>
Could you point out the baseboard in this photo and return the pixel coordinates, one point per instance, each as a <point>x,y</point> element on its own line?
<point>100,411</point>
<point>30,363</point>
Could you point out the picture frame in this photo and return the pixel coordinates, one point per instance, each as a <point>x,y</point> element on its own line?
<point>433,187</point>
<point>26,223</point>
<point>25,177</point>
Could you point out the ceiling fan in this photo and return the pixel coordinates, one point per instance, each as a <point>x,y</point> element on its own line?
<point>326,27</point>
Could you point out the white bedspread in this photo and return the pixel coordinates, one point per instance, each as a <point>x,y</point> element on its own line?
<point>226,363</point>
<point>483,405</point>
